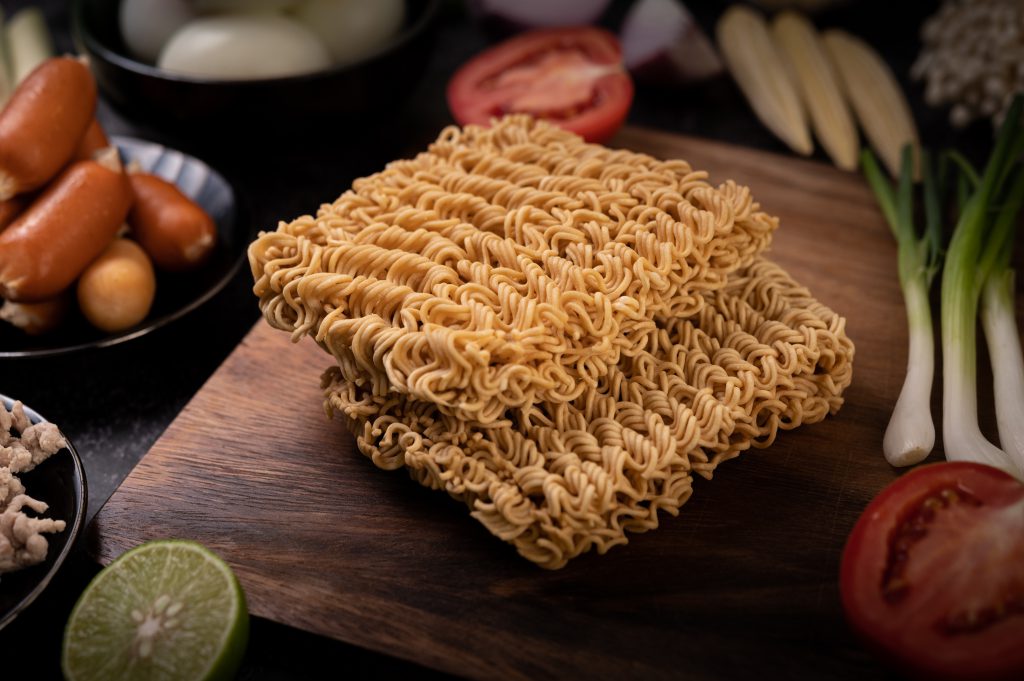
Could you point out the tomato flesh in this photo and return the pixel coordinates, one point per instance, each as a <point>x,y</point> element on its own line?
<point>557,85</point>
<point>933,573</point>
<point>572,77</point>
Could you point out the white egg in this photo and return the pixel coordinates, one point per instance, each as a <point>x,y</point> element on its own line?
<point>147,24</point>
<point>352,29</point>
<point>217,6</point>
<point>244,46</point>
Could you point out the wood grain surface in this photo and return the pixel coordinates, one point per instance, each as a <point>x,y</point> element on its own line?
<point>741,585</point>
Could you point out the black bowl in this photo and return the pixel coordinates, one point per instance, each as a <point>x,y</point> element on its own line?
<point>60,482</point>
<point>357,90</point>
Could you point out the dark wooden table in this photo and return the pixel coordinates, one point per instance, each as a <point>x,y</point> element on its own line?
<point>116,402</point>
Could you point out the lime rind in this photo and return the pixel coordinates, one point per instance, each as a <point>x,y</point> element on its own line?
<point>175,587</point>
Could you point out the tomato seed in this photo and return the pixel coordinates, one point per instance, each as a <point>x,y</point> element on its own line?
<point>971,621</point>
<point>914,528</point>
<point>895,589</point>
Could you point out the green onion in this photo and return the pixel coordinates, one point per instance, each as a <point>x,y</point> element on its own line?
<point>979,253</point>
<point>999,320</point>
<point>967,172</point>
<point>910,436</point>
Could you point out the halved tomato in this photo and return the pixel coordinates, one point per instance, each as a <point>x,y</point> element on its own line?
<point>570,76</point>
<point>933,573</point>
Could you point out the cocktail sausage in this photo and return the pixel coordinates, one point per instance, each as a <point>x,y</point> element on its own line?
<point>176,233</point>
<point>42,124</point>
<point>70,223</point>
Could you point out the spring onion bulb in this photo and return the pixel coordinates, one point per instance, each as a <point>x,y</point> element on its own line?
<point>999,321</point>
<point>910,435</point>
<point>978,253</point>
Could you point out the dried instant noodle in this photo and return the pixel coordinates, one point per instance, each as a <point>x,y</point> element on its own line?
<point>556,333</point>
<point>560,478</point>
<point>504,266</point>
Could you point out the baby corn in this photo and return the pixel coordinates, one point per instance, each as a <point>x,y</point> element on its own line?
<point>877,99</point>
<point>817,83</point>
<point>760,71</point>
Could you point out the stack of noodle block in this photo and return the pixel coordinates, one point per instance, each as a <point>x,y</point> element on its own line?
<point>558,334</point>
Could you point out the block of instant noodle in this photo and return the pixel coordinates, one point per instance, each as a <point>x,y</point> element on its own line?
<point>504,266</point>
<point>561,477</point>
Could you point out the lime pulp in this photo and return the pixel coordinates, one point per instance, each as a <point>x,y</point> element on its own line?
<point>167,609</point>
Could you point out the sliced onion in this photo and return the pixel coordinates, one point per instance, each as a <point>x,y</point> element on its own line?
<point>661,42</point>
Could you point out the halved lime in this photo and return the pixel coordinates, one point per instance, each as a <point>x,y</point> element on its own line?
<point>167,609</point>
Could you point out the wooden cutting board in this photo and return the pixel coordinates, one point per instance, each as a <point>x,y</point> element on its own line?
<point>741,585</point>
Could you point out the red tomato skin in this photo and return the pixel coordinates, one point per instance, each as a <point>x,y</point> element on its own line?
<point>861,575</point>
<point>595,124</point>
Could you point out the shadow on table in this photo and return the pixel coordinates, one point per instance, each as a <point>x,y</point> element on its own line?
<point>275,651</point>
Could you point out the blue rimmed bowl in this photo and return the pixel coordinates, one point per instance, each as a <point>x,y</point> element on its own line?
<point>176,294</point>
